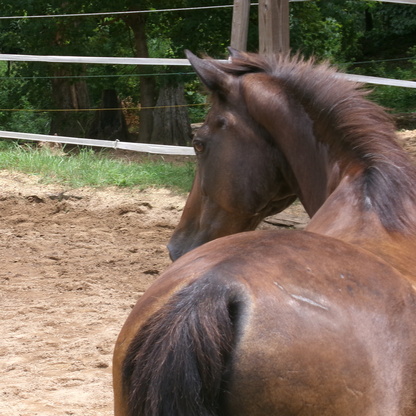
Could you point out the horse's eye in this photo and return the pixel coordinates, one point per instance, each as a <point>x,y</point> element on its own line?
<point>198,145</point>
<point>222,122</point>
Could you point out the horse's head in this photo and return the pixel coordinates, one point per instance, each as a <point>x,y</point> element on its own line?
<point>240,172</point>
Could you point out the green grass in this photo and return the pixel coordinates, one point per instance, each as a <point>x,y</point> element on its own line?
<point>95,169</point>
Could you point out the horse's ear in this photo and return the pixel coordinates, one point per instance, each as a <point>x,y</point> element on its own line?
<point>235,53</point>
<point>209,73</point>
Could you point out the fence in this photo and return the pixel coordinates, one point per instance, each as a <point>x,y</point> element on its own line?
<point>141,147</point>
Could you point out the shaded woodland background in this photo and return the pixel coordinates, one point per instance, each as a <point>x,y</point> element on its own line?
<point>158,104</point>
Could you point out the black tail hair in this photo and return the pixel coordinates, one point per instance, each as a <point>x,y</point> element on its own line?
<point>176,364</point>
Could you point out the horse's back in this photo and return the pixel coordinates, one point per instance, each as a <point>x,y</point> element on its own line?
<point>316,326</point>
<point>328,330</point>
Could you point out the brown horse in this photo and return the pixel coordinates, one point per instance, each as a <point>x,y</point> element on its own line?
<point>317,322</point>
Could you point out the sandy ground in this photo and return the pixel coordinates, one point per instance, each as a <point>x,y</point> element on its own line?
<point>72,266</point>
<point>73,263</point>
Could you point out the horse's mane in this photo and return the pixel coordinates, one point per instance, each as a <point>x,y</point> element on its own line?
<point>362,127</point>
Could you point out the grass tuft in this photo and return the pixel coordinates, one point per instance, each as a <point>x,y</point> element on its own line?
<point>95,169</point>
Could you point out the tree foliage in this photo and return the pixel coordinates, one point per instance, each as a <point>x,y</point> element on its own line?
<point>339,30</point>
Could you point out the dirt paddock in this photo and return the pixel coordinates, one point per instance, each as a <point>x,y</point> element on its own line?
<point>73,263</point>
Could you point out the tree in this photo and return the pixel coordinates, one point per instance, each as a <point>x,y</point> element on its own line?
<point>339,30</point>
<point>212,32</point>
<point>391,30</point>
<point>53,36</point>
<point>79,36</point>
<point>171,121</point>
<point>137,23</point>
<point>109,122</point>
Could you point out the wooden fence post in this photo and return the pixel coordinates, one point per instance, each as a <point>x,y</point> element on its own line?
<point>239,30</point>
<point>273,26</point>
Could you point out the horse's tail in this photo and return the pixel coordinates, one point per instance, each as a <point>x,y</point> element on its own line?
<point>177,362</point>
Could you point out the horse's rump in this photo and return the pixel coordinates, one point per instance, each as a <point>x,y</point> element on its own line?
<point>287,326</point>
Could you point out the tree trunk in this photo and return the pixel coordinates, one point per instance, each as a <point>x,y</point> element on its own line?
<point>68,95</point>
<point>109,123</point>
<point>147,84</point>
<point>170,118</point>
<point>239,29</point>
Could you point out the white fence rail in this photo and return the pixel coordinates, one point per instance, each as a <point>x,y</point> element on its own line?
<point>173,62</point>
<point>136,147</point>
<point>397,1</point>
<point>93,60</point>
<point>142,147</point>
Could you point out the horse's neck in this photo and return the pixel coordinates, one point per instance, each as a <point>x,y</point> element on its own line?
<point>325,183</point>
<point>342,217</point>
<point>311,174</point>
